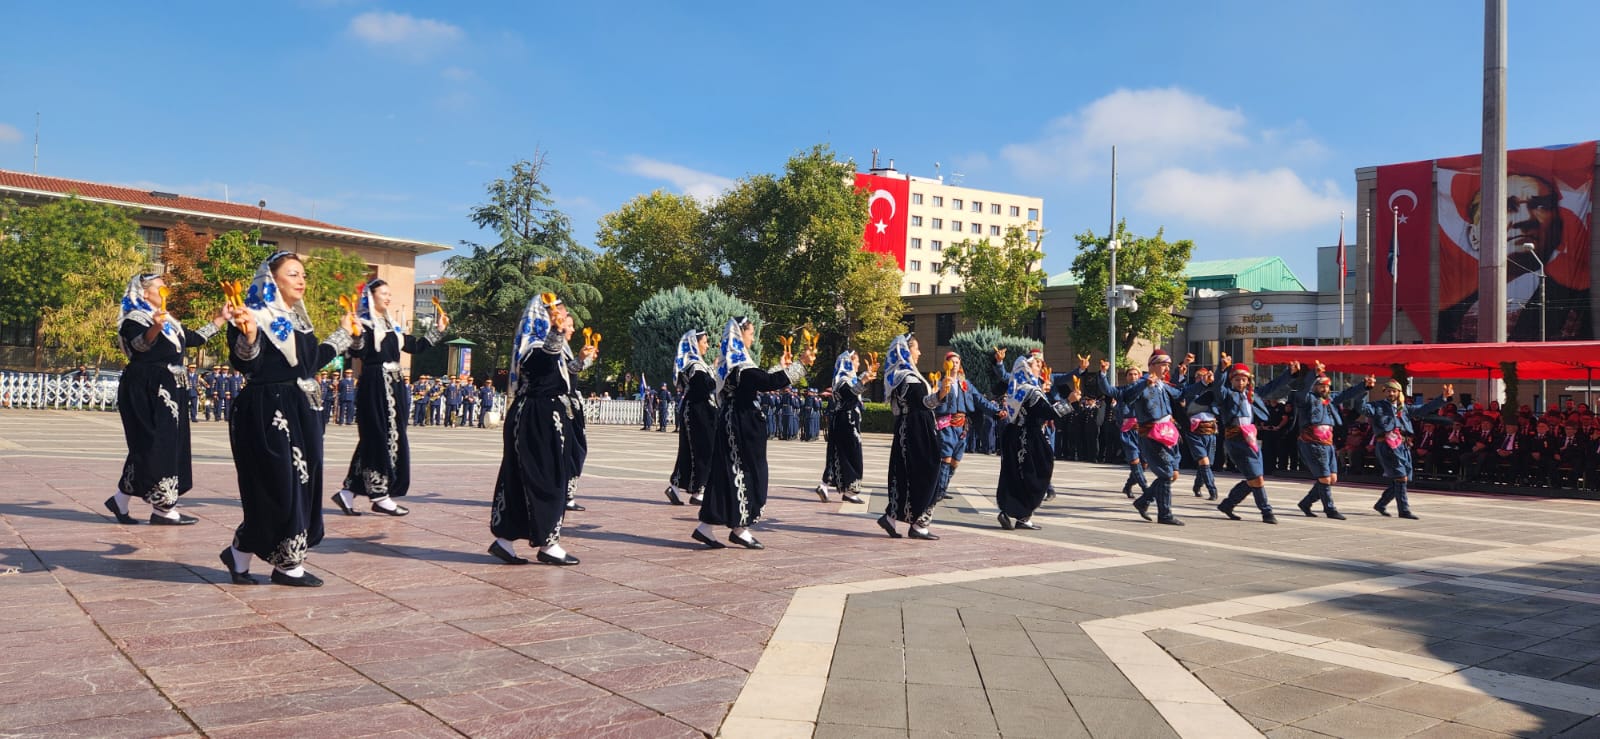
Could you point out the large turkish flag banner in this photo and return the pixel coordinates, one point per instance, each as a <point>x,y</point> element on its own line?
<point>1403,195</point>
<point>888,200</point>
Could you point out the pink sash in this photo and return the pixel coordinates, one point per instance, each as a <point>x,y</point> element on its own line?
<point>1164,431</point>
<point>1248,431</point>
<point>1129,424</point>
<point>1394,438</point>
<point>1324,433</point>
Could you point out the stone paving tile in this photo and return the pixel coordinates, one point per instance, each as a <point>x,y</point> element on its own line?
<point>1226,683</point>
<point>1120,718</point>
<point>48,713</point>
<point>1431,700</point>
<point>865,703</point>
<point>1366,721</point>
<point>1351,683</point>
<point>948,709</point>
<point>1048,715</point>
<point>1279,667</point>
<point>1519,718</point>
<point>942,667</point>
<point>1284,704</point>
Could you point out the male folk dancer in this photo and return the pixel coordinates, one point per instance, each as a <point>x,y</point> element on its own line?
<point>1150,400</point>
<point>1316,413</point>
<point>1391,423</point>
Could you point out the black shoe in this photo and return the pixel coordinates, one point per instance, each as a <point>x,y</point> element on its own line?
<point>1305,507</point>
<point>1128,490</point>
<point>1408,514</point>
<point>672,496</point>
<point>1197,491</point>
<point>708,541</point>
<point>349,510</point>
<point>888,526</point>
<point>1170,521</point>
<point>1335,515</point>
<point>748,542</point>
<point>930,536</point>
<point>696,499</point>
<point>573,505</point>
<point>398,510</point>
<point>1212,496</point>
<point>565,560</point>
<point>157,519</point>
<point>507,557</point>
<point>852,498</point>
<point>1227,510</point>
<point>1028,524</point>
<point>1006,522</point>
<point>239,578</point>
<point>1143,509</point>
<point>122,518</point>
<point>306,580</point>
<point>1268,517</point>
<point>1380,510</point>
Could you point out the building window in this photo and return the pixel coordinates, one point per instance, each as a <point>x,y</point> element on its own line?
<point>1016,212</point>
<point>155,240</point>
<point>916,265</point>
<point>916,288</point>
<point>994,230</point>
<point>938,245</point>
<point>955,289</point>
<point>933,289</point>
<point>936,266</point>
<point>916,243</point>
<point>916,220</point>
<point>938,201</point>
<point>977,228</point>
<point>955,226</point>
<point>938,223</point>
<point>916,198</point>
<point>1033,234</point>
<point>1033,214</point>
<point>956,203</point>
<point>994,209</point>
<point>977,207</point>
<point>944,328</point>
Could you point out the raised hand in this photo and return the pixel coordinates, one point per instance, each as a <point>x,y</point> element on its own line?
<point>1188,359</point>
<point>1371,381</point>
<point>1449,391</point>
<point>1227,361</point>
<point>1105,365</point>
<point>999,354</point>
<point>1083,362</point>
<point>1321,369</point>
<point>245,321</point>
<point>1294,367</point>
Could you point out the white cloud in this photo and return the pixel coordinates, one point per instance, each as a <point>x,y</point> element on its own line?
<point>405,34</point>
<point>1252,201</point>
<point>1148,126</point>
<point>703,186</point>
<point>9,134</point>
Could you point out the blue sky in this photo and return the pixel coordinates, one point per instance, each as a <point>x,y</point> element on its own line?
<point>1238,125</point>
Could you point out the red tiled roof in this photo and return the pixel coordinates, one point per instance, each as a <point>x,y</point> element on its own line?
<point>434,281</point>
<point>135,196</point>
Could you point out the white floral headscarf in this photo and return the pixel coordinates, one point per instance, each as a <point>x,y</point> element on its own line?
<point>135,308</point>
<point>1023,383</point>
<point>735,355</point>
<point>531,333</point>
<point>273,316</point>
<point>897,366</point>
<point>844,370</point>
<point>689,352</point>
<point>376,322</point>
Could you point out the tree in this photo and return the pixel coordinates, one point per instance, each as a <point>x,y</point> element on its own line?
<point>663,318</point>
<point>535,254</point>
<point>1151,264</point>
<point>787,243</point>
<point>83,329</point>
<point>329,274</point>
<point>976,348</point>
<point>874,304</point>
<point>1000,285</point>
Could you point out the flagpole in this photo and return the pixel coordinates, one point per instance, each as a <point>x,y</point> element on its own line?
<point>1394,281</point>
<point>1341,278</point>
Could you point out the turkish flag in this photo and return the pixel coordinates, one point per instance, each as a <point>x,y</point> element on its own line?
<point>888,199</point>
<point>1403,195</point>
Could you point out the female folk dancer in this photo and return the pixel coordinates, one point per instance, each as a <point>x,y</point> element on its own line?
<point>1026,458</point>
<point>276,432</point>
<point>736,490</point>
<point>914,453</point>
<point>695,387</point>
<point>842,466</point>
<point>380,467</point>
<point>530,494</point>
<point>153,403</point>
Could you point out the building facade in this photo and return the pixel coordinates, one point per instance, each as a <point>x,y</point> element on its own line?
<point>915,218</point>
<point>391,258</point>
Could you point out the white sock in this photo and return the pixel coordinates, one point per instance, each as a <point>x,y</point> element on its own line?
<point>347,497</point>
<point>554,550</point>
<point>121,499</point>
<point>742,534</point>
<point>385,503</point>
<point>241,560</point>
<point>296,571</point>
<point>170,513</point>
<point>706,530</point>
<point>508,545</point>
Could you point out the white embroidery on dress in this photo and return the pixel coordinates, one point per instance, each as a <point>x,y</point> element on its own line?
<point>376,482</point>
<point>281,423</point>
<point>166,398</point>
<point>290,553</point>
<point>300,465</point>
<point>165,493</point>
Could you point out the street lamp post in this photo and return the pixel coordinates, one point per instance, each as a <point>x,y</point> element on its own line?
<point>1544,304</point>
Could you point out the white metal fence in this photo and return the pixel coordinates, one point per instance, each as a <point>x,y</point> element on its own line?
<point>620,412</point>
<point>35,390</point>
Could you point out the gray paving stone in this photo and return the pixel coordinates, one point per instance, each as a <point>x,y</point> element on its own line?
<point>1460,652</point>
<point>1586,730</point>
<point>1284,704</point>
<point>1587,676</point>
<point>1095,678</point>
<point>1211,653</point>
<point>1532,665</point>
<point>1035,714</point>
<point>1009,642</point>
<point>1226,683</point>
<point>850,731</point>
<point>1502,638</point>
<point>942,667</point>
<point>1520,719</point>
<point>1055,645</point>
<point>1567,649</point>
<point>1007,672</point>
<point>1367,721</point>
<point>1279,667</point>
<point>864,703</point>
<point>1275,619</point>
<point>1431,700</point>
<point>1293,732</point>
<point>1121,718</point>
<point>857,662</point>
<point>956,710</point>
<point>1351,683</point>
<point>1450,730</point>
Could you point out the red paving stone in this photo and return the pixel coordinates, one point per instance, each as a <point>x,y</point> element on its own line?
<point>418,631</point>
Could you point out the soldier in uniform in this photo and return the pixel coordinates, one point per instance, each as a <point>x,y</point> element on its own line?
<point>347,398</point>
<point>485,401</point>
<point>663,404</point>
<point>436,401</point>
<point>419,401</point>
<point>329,395</point>
<point>452,402</point>
<point>469,401</point>
<point>814,424</point>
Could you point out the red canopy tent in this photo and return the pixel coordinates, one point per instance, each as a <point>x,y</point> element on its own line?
<point>1553,360</point>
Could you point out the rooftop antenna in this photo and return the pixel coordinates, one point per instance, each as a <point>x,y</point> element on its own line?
<point>261,205</point>
<point>36,142</point>
<point>936,171</point>
<point>874,158</point>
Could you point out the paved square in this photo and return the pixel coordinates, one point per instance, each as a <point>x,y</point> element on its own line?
<point>1482,619</point>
